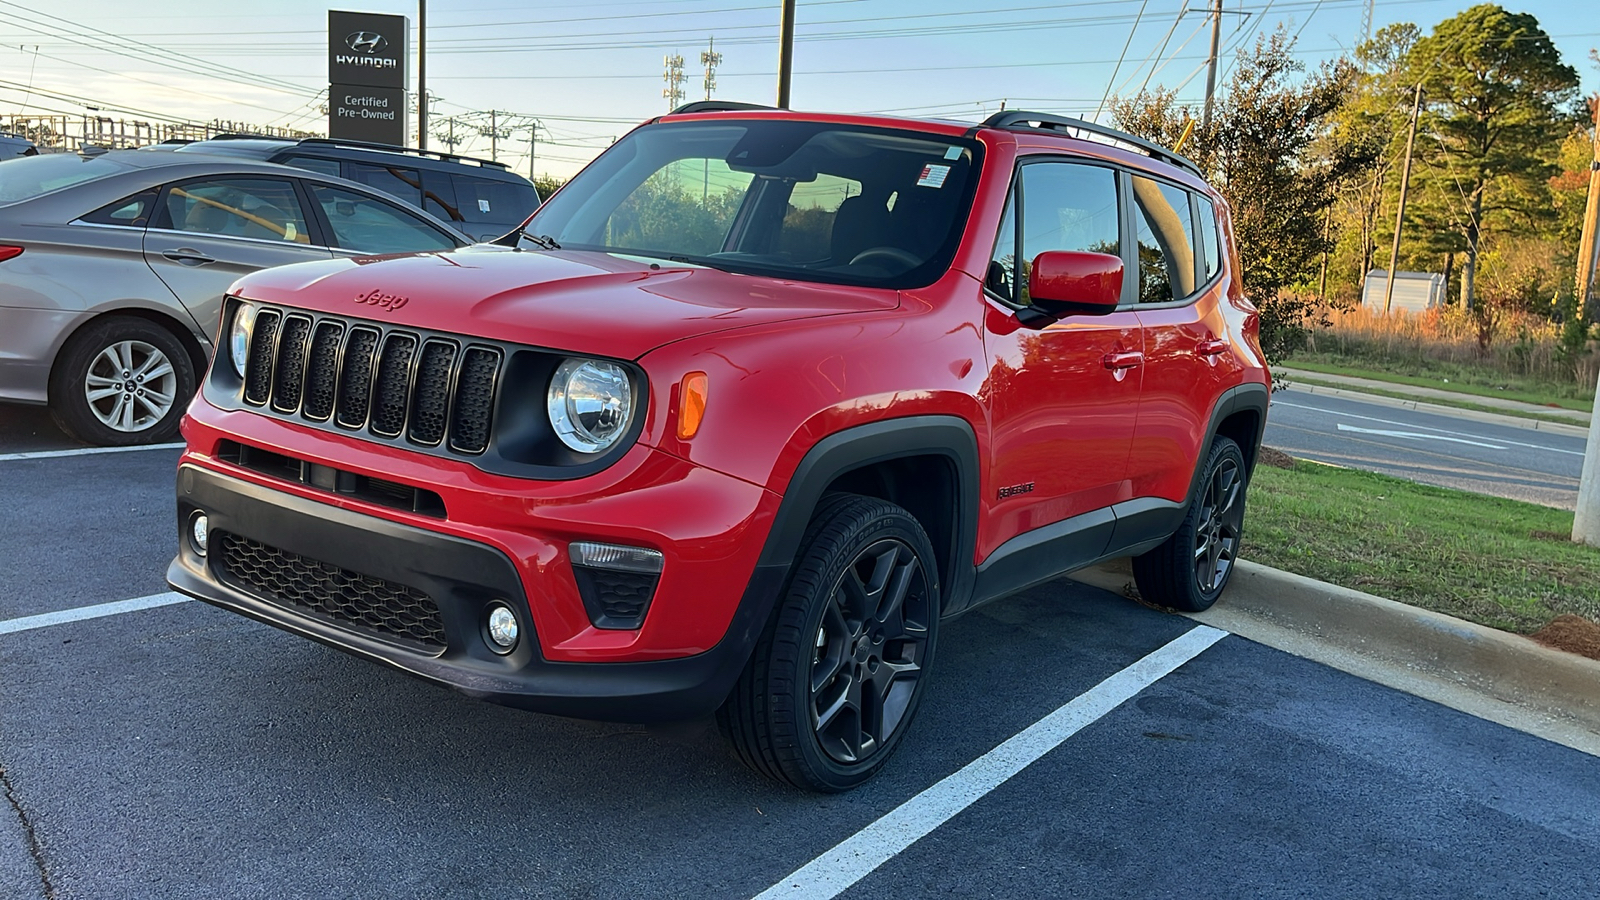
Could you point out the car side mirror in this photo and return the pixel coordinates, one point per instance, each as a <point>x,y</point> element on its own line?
<point>1072,283</point>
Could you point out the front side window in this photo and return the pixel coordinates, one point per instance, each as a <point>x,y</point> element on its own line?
<point>1166,241</point>
<point>261,208</point>
<point>1065,206</point>
<point>813,201</point>
<point>369,225</point>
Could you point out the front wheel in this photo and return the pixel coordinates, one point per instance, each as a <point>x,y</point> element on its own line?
<point>841,668</point>
<point>1189,570</point>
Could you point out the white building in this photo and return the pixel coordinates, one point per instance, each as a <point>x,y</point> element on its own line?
<point>1413,291</point>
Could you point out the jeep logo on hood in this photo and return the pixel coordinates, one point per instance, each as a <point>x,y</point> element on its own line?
<point>366,41</point>
<point>390,302</point>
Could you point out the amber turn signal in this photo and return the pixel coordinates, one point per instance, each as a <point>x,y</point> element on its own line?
<point>691,404</point>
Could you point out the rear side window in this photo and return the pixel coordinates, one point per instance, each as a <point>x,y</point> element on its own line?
<point>369,225</point>
<point>1165,230</point>
<point>396,181</point>
<point>439,197</point>
<point>313,164</point>
<point>1208,236</point>
<point>262,208</point>
<point>507,203</point>
<point>30,176</point>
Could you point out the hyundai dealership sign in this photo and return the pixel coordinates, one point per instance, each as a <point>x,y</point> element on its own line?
<point>367,77</point>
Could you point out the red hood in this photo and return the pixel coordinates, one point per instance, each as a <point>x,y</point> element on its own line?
<point>591,303</point>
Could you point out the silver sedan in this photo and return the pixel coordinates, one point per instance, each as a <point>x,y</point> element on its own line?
<point>113,267</point>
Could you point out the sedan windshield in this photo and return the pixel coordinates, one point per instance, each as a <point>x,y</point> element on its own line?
<point>31,176</point>
<point>812,201</point>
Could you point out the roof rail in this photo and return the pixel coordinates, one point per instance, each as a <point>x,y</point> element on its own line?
<point>1023,119</point>
<point>702,106</point>
<point>245,136</point>
<point>391,148</point>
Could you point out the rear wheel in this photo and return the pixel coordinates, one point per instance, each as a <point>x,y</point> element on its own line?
<point>123,380</point>
<point>839,672</point>
<point>1190,570</point>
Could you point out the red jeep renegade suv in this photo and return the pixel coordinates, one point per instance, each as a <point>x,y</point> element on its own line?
<point>736,419</point>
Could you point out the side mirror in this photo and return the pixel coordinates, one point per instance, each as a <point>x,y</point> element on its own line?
<point>1073,283</point>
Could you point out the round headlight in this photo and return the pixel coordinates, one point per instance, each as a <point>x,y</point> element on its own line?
<point>239,336</point>
<point>591,404</point>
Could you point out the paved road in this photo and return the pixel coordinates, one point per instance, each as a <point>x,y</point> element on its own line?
<point>183,751</point>
<point>1519,463</point>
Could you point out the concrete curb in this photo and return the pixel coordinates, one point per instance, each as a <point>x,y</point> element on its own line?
<point>1471,415</point>
<point>1493,674</point>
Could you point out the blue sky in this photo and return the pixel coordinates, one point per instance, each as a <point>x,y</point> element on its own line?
<point>588,71</point>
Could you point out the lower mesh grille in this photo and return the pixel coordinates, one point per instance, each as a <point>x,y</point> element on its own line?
<point>325,591</point>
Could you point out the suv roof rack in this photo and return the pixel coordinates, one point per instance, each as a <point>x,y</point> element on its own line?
<point>413,151</point>
<point>700,106</point>
<point>1013,119</point>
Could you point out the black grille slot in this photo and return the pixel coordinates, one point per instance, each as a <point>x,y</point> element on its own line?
<point>355,382</point>
<point>430,398</point>
<point>322,371</point>
<point>373,490</point>
<point>474,409</point>
<point>258,370</point>
<point>289,376</point>
<point>329,592</point>
<point>392,386</point>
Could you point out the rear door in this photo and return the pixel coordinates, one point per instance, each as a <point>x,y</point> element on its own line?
<point>208,232</point>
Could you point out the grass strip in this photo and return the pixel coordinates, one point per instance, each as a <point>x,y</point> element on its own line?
<point>1497,562</point>
<point>1525,391</point>
<point>1436,401</point>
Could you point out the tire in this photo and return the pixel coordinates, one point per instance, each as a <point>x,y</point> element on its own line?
<point>1190,570</point>
<point>123,380</point>
<point>860,657</point>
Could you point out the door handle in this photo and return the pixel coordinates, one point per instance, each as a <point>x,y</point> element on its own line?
<point>1123,360</point>
<point>183,256</point>
<point>1211,347</point>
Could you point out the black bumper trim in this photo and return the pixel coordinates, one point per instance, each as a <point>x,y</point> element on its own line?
<point>463,577</point>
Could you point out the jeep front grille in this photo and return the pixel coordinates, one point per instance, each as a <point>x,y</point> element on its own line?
<point>435,390</point>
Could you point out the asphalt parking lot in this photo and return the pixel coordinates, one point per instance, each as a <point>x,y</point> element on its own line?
<point>182,751</point>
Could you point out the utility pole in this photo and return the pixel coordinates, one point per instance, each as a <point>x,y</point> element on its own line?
<point>711,59</point>
<point>1211,67</point>
<point>1327,224</point>
<point>786,52</point>
<point>1586,524</point>
<point>1400,211</point>
<point>494,132</point>
<point>673,76</point>
<point>422,74</point>
<point>533,140</point>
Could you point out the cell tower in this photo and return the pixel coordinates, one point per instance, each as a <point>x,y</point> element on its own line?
<point>711,59</point>
<point>1366,22</point>
<point>674,79</point>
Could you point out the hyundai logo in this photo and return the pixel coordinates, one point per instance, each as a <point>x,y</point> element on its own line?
<point>366,41</point>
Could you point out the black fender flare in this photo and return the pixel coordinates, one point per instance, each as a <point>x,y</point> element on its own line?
<point>950,437</point>
<point>1248,397</point>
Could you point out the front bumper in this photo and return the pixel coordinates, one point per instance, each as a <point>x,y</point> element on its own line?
<point>463,577</point>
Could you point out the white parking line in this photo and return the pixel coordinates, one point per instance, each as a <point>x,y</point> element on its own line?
<point>99,610</point>
<point>1345,415</point>
<point>836,870</point>
<point>86,451</point>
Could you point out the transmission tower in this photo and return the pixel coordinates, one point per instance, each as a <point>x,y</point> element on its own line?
<point>674,79</point>
<point>711,59</point>
<point>1366,22</point>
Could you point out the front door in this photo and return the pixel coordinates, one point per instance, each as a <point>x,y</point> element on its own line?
<point>208,232</point>
<point>1062,400</point>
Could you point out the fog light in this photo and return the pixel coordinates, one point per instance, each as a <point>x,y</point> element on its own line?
<point>199,531</point>
<point>502,629</point>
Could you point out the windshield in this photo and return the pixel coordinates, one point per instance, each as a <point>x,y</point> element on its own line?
<point>813,201</point>
<point>31,176</point>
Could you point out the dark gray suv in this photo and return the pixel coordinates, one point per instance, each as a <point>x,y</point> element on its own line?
<point>113,266</point>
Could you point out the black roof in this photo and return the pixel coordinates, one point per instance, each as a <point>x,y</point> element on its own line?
<point>258,146</point>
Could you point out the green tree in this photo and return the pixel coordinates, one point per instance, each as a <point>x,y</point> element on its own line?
<point>1492,83</point>
<point>1259,154</point>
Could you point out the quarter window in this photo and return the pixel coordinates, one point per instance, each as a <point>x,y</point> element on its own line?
<point>1208,236</point>
<point>133,211</point>
<point>261,208</point>
<point>369,225</point>
<point>1166,241</point>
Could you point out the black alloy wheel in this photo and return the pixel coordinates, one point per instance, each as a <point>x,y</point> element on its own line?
<point>1190,569</point>
<point>840,669</point>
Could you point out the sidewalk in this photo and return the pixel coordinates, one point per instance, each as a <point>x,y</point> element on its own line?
<point>1348,382</point>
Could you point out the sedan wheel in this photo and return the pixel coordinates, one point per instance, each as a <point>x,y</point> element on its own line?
<point>121,380</point>
<point>130,386</point>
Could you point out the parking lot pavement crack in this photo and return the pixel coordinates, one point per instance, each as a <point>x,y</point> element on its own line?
<point>35,852</point>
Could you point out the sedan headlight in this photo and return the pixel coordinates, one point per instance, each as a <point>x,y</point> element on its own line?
<point>590,403</point>
<point>239,336</point>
